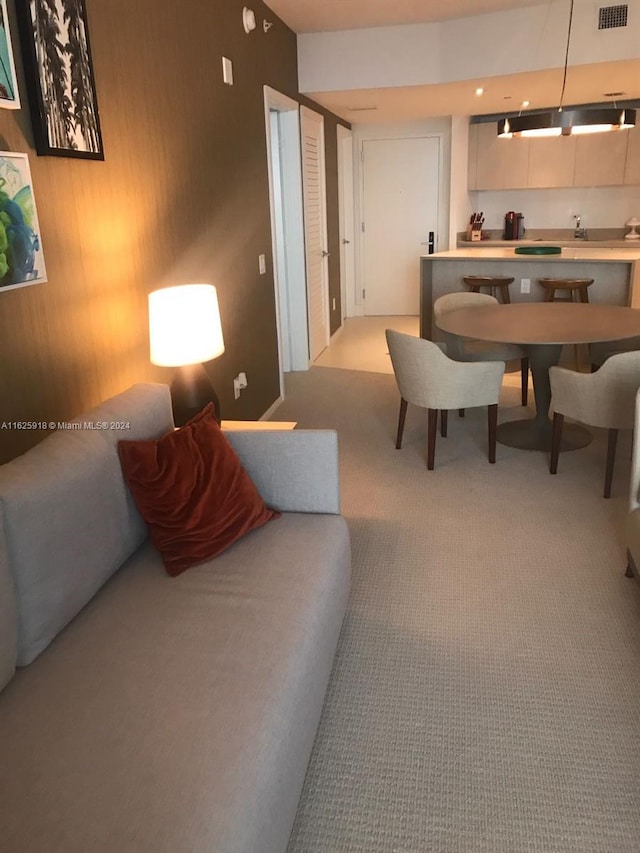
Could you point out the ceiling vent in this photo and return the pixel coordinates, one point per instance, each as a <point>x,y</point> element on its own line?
<point>612,16</point>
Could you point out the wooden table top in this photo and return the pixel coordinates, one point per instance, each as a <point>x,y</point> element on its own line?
<point>543,323</point>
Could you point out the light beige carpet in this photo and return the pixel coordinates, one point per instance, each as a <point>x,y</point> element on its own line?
<point>485,696</point>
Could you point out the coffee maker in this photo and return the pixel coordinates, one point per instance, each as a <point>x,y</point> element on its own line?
<point>513,225</point>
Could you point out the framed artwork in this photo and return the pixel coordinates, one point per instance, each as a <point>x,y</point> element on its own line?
<point>21,258</point>
<point>9,96</point>
<point>59,74</point>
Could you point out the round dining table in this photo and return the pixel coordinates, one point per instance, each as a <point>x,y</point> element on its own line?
<point>542,328</point>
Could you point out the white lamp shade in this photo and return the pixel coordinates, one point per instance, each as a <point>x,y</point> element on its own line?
<point>184,325</point>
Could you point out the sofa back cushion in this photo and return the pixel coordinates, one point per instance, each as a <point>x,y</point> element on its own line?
<point>8,625</point>
<point>69,520</point>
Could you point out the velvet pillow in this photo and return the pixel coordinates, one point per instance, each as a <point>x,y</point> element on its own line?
<point>192,492</point>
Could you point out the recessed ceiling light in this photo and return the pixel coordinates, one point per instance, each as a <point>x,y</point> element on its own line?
<point>479,91</point>
<point>526,103</point>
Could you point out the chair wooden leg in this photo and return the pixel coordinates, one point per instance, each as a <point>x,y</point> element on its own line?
<point>612,441</point>
<point>431,438</point>
<point>444,420</point>
<point>556,438</point>
<point>524,381</point>
<point>493,429</point>
<point>401,419</point>
<point>460,413</point>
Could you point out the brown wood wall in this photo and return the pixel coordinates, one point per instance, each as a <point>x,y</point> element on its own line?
<point>181,197</point>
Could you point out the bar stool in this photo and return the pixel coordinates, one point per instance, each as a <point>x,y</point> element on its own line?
<point>498,286</point>
<point>575,287</point>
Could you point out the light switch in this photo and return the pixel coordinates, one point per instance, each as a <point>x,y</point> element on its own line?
<point>227,71</point>
<point>262,264</point>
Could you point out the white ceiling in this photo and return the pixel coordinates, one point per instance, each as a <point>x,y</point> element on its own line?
<point>585,83</point>
<point>313,16</point>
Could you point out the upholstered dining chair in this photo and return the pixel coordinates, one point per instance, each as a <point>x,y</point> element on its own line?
<point>605,398</point>
<point>428,378</point>
<point>466,349</point>
<point>601,351</point>
<point>632,527</point>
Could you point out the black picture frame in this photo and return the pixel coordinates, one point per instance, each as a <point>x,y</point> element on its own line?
<point>56,53</point>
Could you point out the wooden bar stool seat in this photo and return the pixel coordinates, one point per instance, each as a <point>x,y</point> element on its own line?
<point>576,288</point>
<point>498,286</point>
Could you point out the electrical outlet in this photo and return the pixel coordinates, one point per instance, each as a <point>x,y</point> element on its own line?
<point>525,285</point>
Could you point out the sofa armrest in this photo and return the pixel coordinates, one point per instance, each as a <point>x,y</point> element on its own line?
<point>294,470</point>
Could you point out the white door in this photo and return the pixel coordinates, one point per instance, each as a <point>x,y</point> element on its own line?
<point>345,221</point>
<point>401,180</point>
<point>315,226</point>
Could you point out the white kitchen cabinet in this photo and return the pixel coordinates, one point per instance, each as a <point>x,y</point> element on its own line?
<point>472,168</point>
<point>552,162</point>
<point>589,160</point>
<point>600,159</point>
<point>502,164</point>
<point>632,167</point>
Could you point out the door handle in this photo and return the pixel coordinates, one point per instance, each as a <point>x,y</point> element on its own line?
<point>325,254</point>
<point>346,242</point>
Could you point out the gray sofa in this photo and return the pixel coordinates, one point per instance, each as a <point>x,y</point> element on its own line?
<point>150,714</point>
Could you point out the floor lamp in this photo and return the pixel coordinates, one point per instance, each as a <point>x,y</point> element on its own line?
<point>184,331</point>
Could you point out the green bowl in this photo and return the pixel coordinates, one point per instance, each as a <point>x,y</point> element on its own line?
<point>538,250</point>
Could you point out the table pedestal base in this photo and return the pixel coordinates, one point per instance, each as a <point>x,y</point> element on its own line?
<point>535,434</point>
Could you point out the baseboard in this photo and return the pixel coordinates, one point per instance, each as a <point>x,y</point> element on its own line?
<point>271,410</point>
<point>336,334</point>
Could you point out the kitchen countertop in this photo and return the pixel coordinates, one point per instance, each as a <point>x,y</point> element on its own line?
<point>568,253</point>
<point>616,274</point>
<point>586,244</point>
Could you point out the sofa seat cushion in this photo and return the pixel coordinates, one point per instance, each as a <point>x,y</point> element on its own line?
<point>178,714</point>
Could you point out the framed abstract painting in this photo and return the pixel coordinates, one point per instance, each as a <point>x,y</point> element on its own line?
<point>21,258</point>
<point>9,97</point>
<point>54,35</point>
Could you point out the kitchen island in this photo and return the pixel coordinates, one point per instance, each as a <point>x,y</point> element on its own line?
<point>616,274</point>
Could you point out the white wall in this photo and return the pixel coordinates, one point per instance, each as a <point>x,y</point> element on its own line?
<point>509,42</point>
<point>600,207</point>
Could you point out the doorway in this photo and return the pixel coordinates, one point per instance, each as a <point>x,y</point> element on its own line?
<point>282,127</point>
<point>401,205</point>
<point>346,222</point>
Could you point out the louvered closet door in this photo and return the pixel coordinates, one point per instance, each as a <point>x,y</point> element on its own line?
<point>315,224</point>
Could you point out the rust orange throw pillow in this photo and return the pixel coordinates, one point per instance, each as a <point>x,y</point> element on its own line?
<point>192,492</point>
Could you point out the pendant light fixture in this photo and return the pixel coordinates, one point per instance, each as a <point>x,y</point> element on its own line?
<point>569,122</point>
